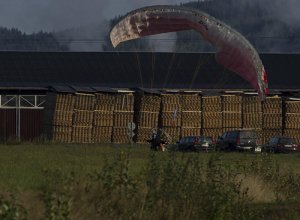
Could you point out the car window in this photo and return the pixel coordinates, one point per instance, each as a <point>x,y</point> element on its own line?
<point>287,141</point>
<point>273,141</point>
<point>187,140</point>
<point>183,140</point>
<point>205,139</point>
<point>232,135</point>
<point>247,134</point>
<point>192,139</point>
<point>224,135</point>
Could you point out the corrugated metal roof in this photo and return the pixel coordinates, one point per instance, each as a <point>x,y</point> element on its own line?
<point>125,90</point>
<point>86,89</point>
<point>23,88</point>
<point>63,89</point>
<point>104,89</point>
<point>138,69</point>
<point>149,91</point>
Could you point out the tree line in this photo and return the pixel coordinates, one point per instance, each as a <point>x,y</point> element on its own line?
<point>14,40</point>
<point>258,22</point>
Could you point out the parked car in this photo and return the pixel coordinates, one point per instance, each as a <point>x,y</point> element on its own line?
<point>281,144</point>
<point>239,140</point>
<point>196,143</point>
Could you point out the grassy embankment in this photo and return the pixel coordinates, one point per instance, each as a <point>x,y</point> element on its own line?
<point>59,181</point>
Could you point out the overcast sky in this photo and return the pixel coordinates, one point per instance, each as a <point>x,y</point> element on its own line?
<point>53,15</point>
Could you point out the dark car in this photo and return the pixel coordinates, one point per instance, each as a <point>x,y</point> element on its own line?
<point>239,140</point>
<point>281,144</point>
<point>195,143</point>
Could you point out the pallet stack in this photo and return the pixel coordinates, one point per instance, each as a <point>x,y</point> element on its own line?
<point>212,116</point>
<point>252,112</point>
<point>83,118</point>
<point>191,114</point>
<point>292,119</point>
<point>103,117</point>
<point>170,118</point>
<point>147,113</point>
<point>272,118</point>
<point>63,118</point>
<point>252,115</point>
<point>231,112</point>
<point>122,116</point>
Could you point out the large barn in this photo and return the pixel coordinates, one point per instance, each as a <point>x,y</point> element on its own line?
<point>92,97</point>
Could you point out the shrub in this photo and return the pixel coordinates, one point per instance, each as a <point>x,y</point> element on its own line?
<point>11,210</point>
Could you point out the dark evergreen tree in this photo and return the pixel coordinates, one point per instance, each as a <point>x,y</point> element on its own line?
<point>14,40</point>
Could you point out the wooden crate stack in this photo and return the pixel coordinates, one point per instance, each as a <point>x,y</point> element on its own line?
<point>212,116</point>
<point>122,116</point>
<point>292,119</point>
<point>252,112</point>
<point>103,117</point>
<point>191,114</point>
<point>252,115</point>
<point>147,113</point>
<point>63,118</point>
<point>272,118</point>
<point>231,112</point>
<point>83,118</point>
<point>170,117</point>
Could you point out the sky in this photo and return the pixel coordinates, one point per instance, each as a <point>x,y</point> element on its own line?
<point>31,16</point>
<point>55,15</point>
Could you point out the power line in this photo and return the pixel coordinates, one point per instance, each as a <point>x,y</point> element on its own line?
<point>148,38</point>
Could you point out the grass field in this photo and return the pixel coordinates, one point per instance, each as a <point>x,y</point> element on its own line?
<point>22,166</point>
<point>123,181</point>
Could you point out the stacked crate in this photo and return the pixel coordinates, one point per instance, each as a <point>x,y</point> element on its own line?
<point>292,119</point>
<point>170,117</point>
<point>231,112</point>
<point>83,118</point>
<point>147,113</point>
<point>122,116</point>
<point>191,114</point>
<point>62,118</point>
<point>252,115</point>
<point>103,117</point>
<point>212,116</point>
<point>272,118</point>
<point>252,112</point>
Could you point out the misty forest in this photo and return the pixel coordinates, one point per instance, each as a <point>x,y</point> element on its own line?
<point>259,23</point>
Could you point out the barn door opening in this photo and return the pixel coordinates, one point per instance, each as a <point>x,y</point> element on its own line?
<point>21,117</point>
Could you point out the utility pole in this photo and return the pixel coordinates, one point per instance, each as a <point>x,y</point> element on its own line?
<point>18,118</point>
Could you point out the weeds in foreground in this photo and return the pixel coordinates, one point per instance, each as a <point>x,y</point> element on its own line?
<point>11,210</point>
<point>57,195</point>
<point>170,186</point>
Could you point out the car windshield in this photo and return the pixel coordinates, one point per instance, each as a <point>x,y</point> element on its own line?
<point>247,134</point>
<point>195,138</point>
<point>287,141</point>
<point>205,139</point>
<point>186,140</point>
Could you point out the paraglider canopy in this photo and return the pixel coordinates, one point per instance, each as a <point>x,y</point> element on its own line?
<point>234,51</point>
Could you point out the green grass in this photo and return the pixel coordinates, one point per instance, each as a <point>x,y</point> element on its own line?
<point>22,166</point>
<point>122,181</point>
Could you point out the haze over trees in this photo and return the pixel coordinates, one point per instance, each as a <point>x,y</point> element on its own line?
<point>258,22</point>
<point>14,40</point>
<point>265,24</point>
